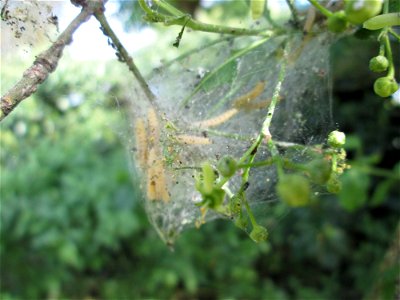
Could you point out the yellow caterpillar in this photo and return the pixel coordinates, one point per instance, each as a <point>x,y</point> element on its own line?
<point>141,142</point>
<point>192,140</point>
<point>217,120</point>
<point>149,156</point>
<point>239,103</point>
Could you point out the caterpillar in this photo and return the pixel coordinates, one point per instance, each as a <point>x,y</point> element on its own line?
<point>239,103</point>
<point>218,119</point>
<point>149,156</point>
<point>154,128</point>
<point>192,140</point>
<point>246,98</point>
<point>141,142</point>
<point>156,180</point>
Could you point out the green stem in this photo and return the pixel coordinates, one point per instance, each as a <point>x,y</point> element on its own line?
<point>394,33</point>
<point>334,162</point>
<point>257,164</point>
<point>386,6</point>
<point>382,50</point>
<point>389,55</point>
<point>267,122</point>
<point>145,8</point>
<point>250,154</point>
<point>249,212</point>
<point>169,8</point>
<point>245,180</point>
<point>181,19</point>
<point>270,113</point>
<point>322,9</point>
<point>200,26</point>
<point>293,10</point>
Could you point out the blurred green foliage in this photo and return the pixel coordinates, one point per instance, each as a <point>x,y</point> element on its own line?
<point>72,225</point>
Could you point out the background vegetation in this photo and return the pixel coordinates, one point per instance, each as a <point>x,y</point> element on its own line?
<point>72,225</point>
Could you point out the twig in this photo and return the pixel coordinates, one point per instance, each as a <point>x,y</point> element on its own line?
<point>156,17</point>
<point>123,55</point>
<point>45,63</point>
<point>326,12</point>
<point>293,10</point>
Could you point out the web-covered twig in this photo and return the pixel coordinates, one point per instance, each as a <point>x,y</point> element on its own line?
<point>122,54</point>
<point>45,63</point>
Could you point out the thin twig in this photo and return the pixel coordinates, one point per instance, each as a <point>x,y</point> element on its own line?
<point>156,17</point>
<point>293,10</point>
<point>123,55</point>
<point>45,63</point>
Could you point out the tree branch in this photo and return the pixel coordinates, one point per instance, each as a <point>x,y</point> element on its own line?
<point>123,54</point>
<point>46,62</point>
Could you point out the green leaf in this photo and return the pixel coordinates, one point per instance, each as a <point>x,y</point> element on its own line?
<point>354,192</point>
<point>225,74</point>
<point>381,192</point>
<point>381,21</point>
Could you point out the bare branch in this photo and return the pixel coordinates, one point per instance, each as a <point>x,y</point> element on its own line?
<point>46,62</point>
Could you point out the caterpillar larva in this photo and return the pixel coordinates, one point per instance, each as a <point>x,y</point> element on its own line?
<point>192,140</point>
<point>246,98</point>
<point>154,128</point>
<point>241,102</point>
<point>156,181</point>
<point>141,142</point>
<point>259,104</point>
<point>151,176</point>
<point>218,119</point>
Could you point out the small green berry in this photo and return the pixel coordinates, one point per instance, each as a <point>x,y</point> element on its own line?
<point>294,190</point>
<point>337,22</point>
<point>227,166</point>
<point>336,139</point>
<point>378,64</point>
<point>385,86</point>
<point>259,234</point>
<point>358,11</point>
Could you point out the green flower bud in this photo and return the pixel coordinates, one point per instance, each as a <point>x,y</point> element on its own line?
<point>337,22</point>
<point>336,139</point>
<point>385,86</point>
<point>259,234</point>
<point>358,11</point>
<point>378,64</point>
<point>294,190</point>
<point>227,166</point>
